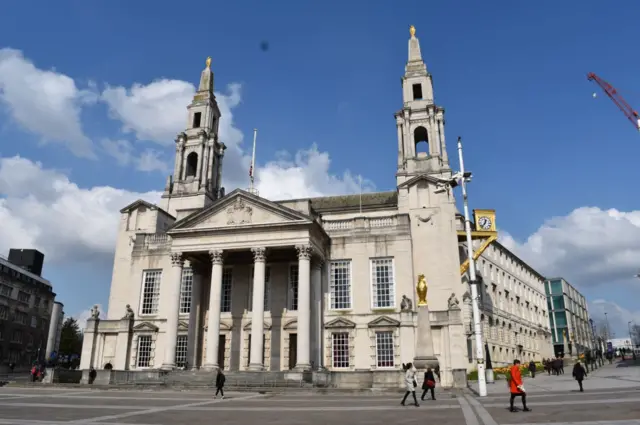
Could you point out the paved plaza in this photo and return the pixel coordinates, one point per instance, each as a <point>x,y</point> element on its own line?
<point>612,396</point>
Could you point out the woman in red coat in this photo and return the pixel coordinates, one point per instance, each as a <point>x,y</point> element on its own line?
<point>516,387</point>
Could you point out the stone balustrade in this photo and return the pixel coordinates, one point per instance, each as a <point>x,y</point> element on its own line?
<point>364,223</point>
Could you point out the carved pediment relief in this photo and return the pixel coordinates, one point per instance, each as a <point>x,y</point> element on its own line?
<point>183,326</point>
<point>340,323</point>
<point>146,327</point>
<point>383,322</point>
<point>240,209</point>
<point>266,326</point>
<point>291,325</point>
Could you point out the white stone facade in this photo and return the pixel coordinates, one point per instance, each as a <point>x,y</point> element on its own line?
<point>244,283</point>
<point>513,306</point>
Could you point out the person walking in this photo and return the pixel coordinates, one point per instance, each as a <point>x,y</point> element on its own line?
<point>429,384</point>
<point>220,378</point>
<point>410,384</point>
<point>532,368</point>
<point>579,373</point>
<point>516,388</point>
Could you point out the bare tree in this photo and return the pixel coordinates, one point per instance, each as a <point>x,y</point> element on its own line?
<point>602,330</point>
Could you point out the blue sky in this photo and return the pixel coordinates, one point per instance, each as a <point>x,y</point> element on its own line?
<point>511,75</point>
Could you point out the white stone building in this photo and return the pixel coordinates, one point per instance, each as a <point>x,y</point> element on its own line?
<point>512,301</point>
<point>244,283</point>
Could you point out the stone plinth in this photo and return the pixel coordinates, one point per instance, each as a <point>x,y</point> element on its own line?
<point>424,357</point>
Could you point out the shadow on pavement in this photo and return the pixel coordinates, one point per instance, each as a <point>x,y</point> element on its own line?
<point>629,363</point>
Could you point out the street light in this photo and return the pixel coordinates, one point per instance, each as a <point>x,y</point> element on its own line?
<point>464,177</point>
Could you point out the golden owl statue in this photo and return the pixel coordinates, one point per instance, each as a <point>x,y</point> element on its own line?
<point>421,289</point>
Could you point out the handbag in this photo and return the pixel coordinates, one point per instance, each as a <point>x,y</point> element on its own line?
<point>431,384</point>
<point>415,383</point>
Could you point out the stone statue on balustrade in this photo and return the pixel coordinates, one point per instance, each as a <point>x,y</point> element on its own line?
<point>95,312</point>
<point>129,312</point>
<point>406,304</point>
<point>453,302</point>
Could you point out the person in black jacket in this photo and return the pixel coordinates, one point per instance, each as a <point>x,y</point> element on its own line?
<point>220,378</point>
<point>579,374</point>
<point>429,383</point>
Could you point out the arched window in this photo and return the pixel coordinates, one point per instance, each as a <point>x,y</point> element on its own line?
<point>192,164</point>
<point>421,139</point>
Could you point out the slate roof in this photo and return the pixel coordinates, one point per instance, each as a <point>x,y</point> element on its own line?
<point>346,202</point>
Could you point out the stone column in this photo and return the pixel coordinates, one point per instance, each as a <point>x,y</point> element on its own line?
<point>316,284</point>
<point>172,310</point>
<point>213,324</point>
<point>304,306</point>
<point>400,145</point>
<point>193,334</point>
<point>257,311</point>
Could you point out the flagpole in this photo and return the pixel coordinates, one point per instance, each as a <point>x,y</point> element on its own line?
<point>253,163</point>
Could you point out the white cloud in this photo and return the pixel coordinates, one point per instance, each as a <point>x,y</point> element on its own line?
<point>124,153</point>
<point>617,316</point>
<point>45,103</point>
<point>589,246</point>
<point>43,209</point>
<point>154,112</point>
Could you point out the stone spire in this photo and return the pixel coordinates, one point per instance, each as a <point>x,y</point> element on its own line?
<point>206,78</point>
<point>415,64</point>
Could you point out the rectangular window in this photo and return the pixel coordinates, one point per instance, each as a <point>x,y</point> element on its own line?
<point>197,118</point>
<point>23,297</point>
<point>340,284</point>
<point>267,289</point>
<point>382,283</point>
<point>16,336</point>
<point>340,349</point>
<point>150,291</point>
<point>36,302</point>
<point>4,312</point>
<point>186,287</point>
<point>227,279</point>
<point>181,351</point>
<point>34,322</point>
<point>21,317</point>
<point>293,287</point>
<point>384,349</point>
<point>417,92</point>
<point>144,351</point>
<point>5,290</point>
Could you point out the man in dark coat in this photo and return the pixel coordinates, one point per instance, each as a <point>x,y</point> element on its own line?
<point>220,378</point>
<point>579,374</point>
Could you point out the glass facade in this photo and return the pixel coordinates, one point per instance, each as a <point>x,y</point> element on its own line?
<point>567,316</point>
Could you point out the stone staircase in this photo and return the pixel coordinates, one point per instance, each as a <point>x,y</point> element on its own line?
<point>238,380</point>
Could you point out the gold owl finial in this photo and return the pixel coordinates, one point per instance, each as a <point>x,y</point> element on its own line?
<point>421,290</point>
<point>208,62</point>
<point>412,31</point>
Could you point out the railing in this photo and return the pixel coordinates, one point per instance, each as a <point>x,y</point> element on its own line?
<point>360,222</point>
<point>153,241</point>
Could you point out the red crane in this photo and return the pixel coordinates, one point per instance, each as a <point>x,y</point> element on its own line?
<point>611,91</point>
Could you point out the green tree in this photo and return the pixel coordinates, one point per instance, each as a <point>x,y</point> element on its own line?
<point>70,337</point>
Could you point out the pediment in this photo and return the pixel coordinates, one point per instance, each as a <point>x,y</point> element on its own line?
<point>291,325</point>
<point>238,209</point>
<point>340,323</point>
<point>265,325</point>
<point>146,327</point>
<point>383,322</point>
<point>223,327</point>
<point>422,177</point>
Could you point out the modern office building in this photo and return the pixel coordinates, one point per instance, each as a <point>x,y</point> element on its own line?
<point>568,317</point>
<point>512,302</point>
<point>26,303</point>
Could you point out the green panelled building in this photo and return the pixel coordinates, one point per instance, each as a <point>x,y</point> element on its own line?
<point>568,317</point>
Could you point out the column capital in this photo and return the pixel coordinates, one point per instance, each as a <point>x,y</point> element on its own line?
<point>304,252</point>
<point>216,256</point>
<point>177,259</point>
<point>259,254</point>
